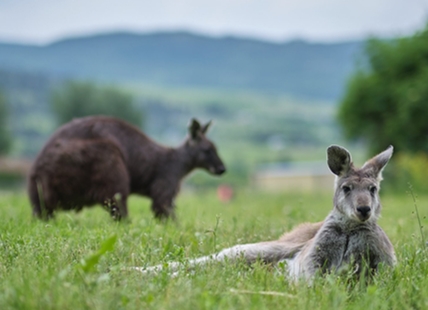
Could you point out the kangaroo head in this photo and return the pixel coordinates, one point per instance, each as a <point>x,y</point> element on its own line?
<point>202,150</point>
<point>356,189</point>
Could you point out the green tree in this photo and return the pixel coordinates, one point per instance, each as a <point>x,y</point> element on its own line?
<point>386,102</point>
<point>5,136</point>
<point>77,99</point>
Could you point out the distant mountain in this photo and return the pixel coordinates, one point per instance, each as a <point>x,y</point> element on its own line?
<point>298,68</point>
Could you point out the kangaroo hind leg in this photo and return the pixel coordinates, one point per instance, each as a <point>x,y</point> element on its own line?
<point>268,252</point>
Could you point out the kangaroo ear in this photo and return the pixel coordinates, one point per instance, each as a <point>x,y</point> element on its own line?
<point>377,163</point>
<point>204,128</point>
<point>339,160</point>
<point>194,128</point>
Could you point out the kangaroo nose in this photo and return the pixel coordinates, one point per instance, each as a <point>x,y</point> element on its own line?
<point>221,170</point>
<point>364,211</point>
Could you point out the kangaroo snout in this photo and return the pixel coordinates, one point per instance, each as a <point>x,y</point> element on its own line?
<point>219,170</point>
<point>363,212</point>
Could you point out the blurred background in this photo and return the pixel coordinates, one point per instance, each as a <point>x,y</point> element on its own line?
<point>281,80</point>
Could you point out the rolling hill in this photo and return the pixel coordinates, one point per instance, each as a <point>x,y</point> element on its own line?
<point>297,68</point>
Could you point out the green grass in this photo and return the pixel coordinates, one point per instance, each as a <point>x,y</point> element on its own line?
<point>66,263</point>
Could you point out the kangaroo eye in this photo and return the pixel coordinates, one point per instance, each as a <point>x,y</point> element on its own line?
<point>346,189</point>
<point>372,189</point>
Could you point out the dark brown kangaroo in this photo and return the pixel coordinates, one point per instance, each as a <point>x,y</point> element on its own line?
<point>102,160</point>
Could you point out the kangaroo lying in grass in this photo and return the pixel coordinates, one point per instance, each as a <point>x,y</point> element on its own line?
<point>348,237</point>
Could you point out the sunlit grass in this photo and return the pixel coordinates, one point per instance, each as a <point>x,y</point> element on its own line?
<point>41,262</point>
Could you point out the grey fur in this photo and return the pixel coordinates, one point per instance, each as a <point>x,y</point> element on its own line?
<point>348,237</point>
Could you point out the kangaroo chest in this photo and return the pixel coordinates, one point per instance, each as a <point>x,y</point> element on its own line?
<point>333,249</point>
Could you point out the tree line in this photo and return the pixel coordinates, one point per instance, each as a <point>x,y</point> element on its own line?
<point>386,100</point>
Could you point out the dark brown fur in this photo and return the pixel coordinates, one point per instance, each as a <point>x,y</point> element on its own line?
<point>101,160</point>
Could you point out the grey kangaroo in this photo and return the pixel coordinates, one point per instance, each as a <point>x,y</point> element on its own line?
<point>348,237</point>
<point>102,160</point>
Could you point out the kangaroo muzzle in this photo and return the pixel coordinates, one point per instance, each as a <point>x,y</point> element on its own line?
<point>219,170</point>
<point>363,213</point>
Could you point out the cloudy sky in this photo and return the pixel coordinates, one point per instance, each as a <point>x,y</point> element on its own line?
<point>42,21</point>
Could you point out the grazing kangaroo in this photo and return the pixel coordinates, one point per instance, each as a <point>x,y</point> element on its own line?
<point>348,236</point>
<point>102,160</point>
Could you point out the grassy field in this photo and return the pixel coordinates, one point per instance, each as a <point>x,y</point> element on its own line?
<point>75,261</point>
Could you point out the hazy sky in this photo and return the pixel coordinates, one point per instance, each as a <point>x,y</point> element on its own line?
<point>42,21</point>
